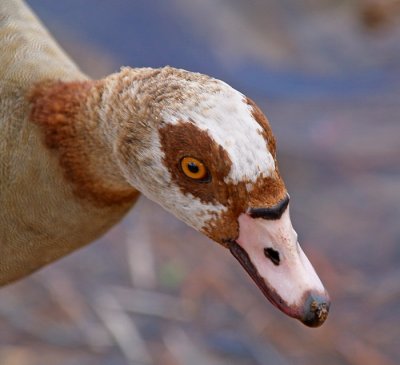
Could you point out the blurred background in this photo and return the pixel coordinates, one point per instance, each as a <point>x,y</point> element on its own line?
<point>153,291</point>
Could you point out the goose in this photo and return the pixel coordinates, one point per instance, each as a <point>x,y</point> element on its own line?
<point>76,153</point>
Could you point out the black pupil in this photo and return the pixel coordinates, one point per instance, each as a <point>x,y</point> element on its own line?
<point>193,168</point>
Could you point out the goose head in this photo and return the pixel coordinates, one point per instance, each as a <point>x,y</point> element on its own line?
<point>206,153</point>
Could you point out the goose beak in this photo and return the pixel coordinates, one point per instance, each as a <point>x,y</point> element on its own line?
<point>268,249</point>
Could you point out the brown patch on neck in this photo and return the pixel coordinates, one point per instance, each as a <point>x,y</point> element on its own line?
<point>186,139</point>
<point>262,120</point>
<point>70,127</point>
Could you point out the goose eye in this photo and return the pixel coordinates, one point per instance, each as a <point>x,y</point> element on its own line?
<point>194,169</point>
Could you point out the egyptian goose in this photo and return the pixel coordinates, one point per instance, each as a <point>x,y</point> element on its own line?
<point>75,154</point>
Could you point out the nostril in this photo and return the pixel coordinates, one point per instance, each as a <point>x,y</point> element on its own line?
<point>273,255</point>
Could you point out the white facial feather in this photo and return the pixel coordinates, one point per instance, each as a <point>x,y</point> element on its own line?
<point>226,116</point>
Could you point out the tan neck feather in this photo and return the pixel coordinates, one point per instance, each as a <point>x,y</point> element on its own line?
<point>28,53</point>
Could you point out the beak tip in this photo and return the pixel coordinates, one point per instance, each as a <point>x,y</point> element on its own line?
<point>316,310</point>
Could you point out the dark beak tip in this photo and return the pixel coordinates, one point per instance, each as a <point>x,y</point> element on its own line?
<point>316,310</point>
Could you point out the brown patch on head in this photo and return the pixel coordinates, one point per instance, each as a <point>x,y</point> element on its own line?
<point>186,139</point>
<point>71,128</point>
<point>265,192</point>
<point>262,120</point>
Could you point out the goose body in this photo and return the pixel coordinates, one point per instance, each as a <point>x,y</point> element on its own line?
<point>76,152</point>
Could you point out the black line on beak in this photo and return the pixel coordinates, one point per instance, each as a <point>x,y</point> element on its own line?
<point>270,213</point>
<point>243,257</point>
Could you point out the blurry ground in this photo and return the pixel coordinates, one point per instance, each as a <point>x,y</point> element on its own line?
<point>153,291</point>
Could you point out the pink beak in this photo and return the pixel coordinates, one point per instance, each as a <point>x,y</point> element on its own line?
<point>268,249</point>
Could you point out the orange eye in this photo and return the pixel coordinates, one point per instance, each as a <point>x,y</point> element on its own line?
<point>194,169</point>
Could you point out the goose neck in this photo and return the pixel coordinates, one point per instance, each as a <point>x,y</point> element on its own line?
<point>70,114</point>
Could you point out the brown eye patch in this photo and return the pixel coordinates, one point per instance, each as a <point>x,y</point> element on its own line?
<point>183,140</point>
